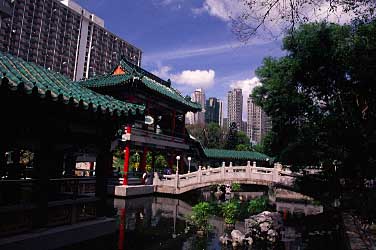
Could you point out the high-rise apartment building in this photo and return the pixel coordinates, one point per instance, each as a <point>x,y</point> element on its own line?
<point>220,102</point>
<point>213,111</point>
<point>259,124</point>
<point>244,127</point>
<point>62,36</point>
<point>225,123</point>
<point>199,117</point>
<point>235,107</point>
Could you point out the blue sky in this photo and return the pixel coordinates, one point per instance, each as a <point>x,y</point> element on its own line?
<point>189,41</point>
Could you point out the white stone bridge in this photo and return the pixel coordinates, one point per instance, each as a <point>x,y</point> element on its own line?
<point>249,174</point>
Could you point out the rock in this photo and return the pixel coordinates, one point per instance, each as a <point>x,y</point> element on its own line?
<point>225,239</point>
<point>235,244</point>
<point>249,241</point>
<point>265,226</point>
<point>272,236</point>
<point>237,236</point>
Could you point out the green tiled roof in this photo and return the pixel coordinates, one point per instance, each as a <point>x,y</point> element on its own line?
<point>149,80</point>
<point>33,78</point>
<point>236,155</point>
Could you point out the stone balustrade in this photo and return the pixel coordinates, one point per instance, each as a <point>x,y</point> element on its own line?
<point>249,174</point>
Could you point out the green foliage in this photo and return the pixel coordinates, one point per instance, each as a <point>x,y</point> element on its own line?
<point>160,162</point>
<point>200,215</point>
<point>258,205</point>
<point>265,145</point>
<point>210,136</point>
<point>242,147</point>
<point>321,97</point>
<point>230,211</point>
<point>232,141</point>
<point>214,208</point>
<point>242,138</point>
<point>235,187</point>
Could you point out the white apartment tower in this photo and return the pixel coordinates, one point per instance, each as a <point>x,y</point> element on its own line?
<point>199,117</point>
<point>258,123</point>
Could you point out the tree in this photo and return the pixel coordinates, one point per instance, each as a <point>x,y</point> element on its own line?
<point>266,15</point>
<point>322,96</point>
<point>232,141</point>
<point>160,162</point>
<point>210,135</point>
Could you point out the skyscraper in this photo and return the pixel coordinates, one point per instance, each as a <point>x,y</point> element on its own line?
<point>197,118</point>
<point>220,102</point>
<point>62,36</point>
<point>235,107</point>
<point>212,110</point>
<point>259,124</point>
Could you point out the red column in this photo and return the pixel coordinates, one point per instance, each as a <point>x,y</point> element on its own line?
<point>126,156</point>
<point>121,229</point>
<point>91,168</point>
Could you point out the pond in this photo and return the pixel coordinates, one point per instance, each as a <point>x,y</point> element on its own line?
<point>160,222</point>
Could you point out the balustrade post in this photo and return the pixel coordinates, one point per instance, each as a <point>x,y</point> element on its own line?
<point>177,179</point>
<point>223,170</point>
<point>199,174</point>
<point>248,169</point>
<point>276,171</point>
<point>254,164</point>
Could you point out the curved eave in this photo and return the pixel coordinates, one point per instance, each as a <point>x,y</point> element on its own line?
<point>108,81</point>
<point>102,104</point>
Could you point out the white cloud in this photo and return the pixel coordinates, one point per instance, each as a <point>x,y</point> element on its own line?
<point>167,2</point>
<point>203,51</point>
<point>273,24</point>
<point>192,78</point>
<point>247,87</point>
<point>163,72</point>
<point>195,78</point>
<point>223,9</point>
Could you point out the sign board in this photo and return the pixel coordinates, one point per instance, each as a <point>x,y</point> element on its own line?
<point>149,120</point>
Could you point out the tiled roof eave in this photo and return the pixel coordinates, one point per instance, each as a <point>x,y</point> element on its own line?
<point>237,155</point>
<point>28,89</point>
<point>101,83</point>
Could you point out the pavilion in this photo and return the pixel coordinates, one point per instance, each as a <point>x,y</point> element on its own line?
<point>48,123</point>
<point>163,131</point>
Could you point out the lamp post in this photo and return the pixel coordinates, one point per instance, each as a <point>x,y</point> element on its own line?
<point>189,164</point>
<point>177,164</point>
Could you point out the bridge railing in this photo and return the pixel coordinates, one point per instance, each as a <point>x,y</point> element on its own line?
<point>231,173</point>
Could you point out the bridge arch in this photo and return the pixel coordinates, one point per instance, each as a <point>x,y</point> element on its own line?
<point>178,184</point>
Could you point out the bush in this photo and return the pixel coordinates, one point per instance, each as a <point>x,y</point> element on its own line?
<point>235,187</point>
<point>258,205</point>
<point>200,215</point>
<point>230,211</point>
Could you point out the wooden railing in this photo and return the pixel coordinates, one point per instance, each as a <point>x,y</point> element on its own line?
<point>150,134</point>
<point>70,200</point>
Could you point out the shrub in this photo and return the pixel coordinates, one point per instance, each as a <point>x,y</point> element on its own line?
<point>230,211</point>
<point>200,215</point>
<point>258,205</point>
<point>235,187</point>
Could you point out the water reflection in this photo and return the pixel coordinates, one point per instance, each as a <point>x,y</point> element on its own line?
<point>160,222</point>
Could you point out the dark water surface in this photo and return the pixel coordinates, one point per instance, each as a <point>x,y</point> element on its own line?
<point>159,222</point>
